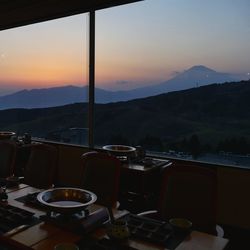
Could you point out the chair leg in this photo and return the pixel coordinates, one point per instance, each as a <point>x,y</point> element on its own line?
<point>112,219</point>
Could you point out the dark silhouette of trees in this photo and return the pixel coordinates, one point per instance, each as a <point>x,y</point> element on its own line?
<point>234,145</point>
<point>119,139</point>
<point>194,146</point>
<point>151,143</point>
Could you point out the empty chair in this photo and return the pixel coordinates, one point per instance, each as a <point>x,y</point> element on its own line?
<point>190,192</point>
<point>40,169</point>
<point>101,175</point>
<point>7,158</point>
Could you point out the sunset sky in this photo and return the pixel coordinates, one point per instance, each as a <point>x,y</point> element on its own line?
<point>136,45</point>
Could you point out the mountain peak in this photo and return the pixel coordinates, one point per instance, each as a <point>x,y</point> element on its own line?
<point>200,68</point>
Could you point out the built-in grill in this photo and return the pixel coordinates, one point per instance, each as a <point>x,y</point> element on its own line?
<point>142,228</point>
<point>79,220</point>
<point>148,229</point>
<point>155,231</point>
<point>150,162</point>
<point>31,200</point>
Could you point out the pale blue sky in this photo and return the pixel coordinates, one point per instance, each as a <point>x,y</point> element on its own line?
<point>140,44</point>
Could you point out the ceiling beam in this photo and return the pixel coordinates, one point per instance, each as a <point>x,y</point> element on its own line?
<point>15,13</point>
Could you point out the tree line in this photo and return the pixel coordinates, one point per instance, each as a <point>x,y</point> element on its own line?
<point>192,145</point>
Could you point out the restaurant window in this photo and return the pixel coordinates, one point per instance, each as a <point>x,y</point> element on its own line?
<point>44,81</point>
<point>171,77</point>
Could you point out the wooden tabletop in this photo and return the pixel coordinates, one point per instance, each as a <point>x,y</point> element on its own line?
<point>46,236</point>
<point>202,241</point>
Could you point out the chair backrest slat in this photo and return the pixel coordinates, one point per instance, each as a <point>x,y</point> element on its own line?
<point>41,166</point>
<point>7,158</point>
<point>189,192</point>
<point>101,175</point>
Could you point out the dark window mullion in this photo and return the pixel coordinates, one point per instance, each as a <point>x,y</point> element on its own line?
<point>91,78</point>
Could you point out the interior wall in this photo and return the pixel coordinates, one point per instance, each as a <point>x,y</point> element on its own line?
<point>233,194</point>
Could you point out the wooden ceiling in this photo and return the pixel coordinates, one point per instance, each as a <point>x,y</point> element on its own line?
<point>14,13</point>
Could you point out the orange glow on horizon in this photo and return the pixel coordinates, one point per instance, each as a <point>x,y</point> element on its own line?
<point>43,71</point>
<point>136,45</point>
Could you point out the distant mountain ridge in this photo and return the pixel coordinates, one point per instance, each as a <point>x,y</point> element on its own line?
<point>212,112</point>
<point>57,96</point>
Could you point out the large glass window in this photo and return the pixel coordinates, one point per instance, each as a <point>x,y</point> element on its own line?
<point>169,78</point>
<point>43,80</point>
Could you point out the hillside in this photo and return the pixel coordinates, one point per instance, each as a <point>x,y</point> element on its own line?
<point>213,112</point>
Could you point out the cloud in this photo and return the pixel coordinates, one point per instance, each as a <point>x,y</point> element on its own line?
<point>2,55</point>
<point>175,73</point>
<point>122,82</point>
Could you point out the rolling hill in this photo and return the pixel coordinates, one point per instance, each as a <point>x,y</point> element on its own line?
<point>213,112</point>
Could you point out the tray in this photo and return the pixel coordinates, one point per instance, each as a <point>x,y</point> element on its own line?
<point>148,229</point>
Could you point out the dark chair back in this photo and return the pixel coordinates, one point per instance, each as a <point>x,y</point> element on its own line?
<point>7,158</point>
<point>41,166</point>
<point>189,192</point>
<point>101,175</point>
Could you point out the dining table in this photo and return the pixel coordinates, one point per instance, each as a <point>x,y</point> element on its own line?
<point>45,235</point>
